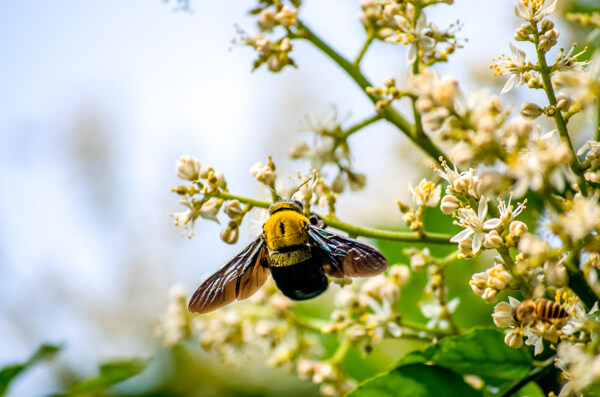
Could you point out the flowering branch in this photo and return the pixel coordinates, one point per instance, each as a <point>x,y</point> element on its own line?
<point>389,113</point>
<point>561,125</point>
<point>425,238</point>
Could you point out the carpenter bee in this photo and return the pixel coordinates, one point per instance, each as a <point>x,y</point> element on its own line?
<point>299,255</point>
<point>543,309</point>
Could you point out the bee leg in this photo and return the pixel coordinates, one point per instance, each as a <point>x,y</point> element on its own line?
<point>316,220</point>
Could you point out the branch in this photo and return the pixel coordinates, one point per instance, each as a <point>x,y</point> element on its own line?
<point>406,237</point>
<point>389,113</point>
<point>561,125</point>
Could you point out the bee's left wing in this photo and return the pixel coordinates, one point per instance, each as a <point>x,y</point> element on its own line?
<point>239,279</point>
<point>343,256</point>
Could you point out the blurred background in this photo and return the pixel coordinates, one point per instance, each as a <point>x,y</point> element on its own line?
<point>98,99</point>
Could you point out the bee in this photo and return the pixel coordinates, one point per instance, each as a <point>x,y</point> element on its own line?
<point>546,310</point>
<point>298,254</point>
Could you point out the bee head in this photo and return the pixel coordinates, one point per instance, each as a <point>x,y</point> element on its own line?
<point>293,205</point>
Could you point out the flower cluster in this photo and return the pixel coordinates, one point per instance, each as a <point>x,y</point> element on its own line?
<point>425,194</point>
<point>267,323</point>
<point>401,22</point>
<point>329,148</point>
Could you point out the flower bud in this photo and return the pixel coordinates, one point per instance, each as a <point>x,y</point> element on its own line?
<point>523,32</point>
<point>517,228</point>
<point>187,168</point>
<point>233,209</point>
<point>449,205</point>
<point>514,340</point>
<point>546,25</point>
<point>530,110</point>
<point>492,240</point>
<point>230,235</point>
<point>205,171</point>
<point>390,10</point>
<point>465,246</point>
<point>490,295</point>
<point>503,315</point>
<point>266,19</point>
<point>263,173</point>
<point>564,102</point>
<point>399,274</point>
<point>409,218</point>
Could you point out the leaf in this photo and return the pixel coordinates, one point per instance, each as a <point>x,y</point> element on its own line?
<point>10,372</point>
<point>110,374</point>
<point>415,380</point>
<point>479,351</point>
<point>531,389</point>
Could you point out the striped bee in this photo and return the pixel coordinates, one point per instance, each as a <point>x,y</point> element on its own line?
<point>529,311</point>
<point>298,254</point>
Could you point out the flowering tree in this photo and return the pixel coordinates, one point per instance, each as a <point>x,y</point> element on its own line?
<point>500,170</point>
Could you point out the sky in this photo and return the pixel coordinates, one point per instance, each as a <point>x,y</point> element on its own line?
<point>97,101</point>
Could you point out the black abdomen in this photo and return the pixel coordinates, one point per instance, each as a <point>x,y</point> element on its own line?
<point>301,281</point>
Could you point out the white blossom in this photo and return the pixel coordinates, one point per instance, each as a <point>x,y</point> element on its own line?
<point>534,10</point>
<point>475,224</point>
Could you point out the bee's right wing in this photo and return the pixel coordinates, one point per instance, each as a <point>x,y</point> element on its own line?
<point>342,256</point>
<point>239,279</point>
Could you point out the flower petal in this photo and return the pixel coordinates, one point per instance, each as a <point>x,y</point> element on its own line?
<point>491,224</point>
<point>460,236</point>
<point>482,208</point>
<point>509,84</point>
<point>477,241</point>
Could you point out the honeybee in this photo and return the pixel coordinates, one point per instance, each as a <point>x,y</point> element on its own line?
<point>529,311</point>
<point>299,255</point>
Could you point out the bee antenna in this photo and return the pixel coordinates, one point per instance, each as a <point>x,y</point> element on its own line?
<point>275,195</point>
<point>302,184</point>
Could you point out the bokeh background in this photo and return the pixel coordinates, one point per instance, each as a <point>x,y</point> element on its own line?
<point>97,101</point>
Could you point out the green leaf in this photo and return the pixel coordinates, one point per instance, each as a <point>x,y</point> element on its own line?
<point>531,389</point>
<point>415,380</point>
<point>110,374</point>
<point>10,372</point>
<point>480,351</point>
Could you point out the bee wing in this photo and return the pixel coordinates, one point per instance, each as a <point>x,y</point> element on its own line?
<point>343,256</point>
<point>239,279</point>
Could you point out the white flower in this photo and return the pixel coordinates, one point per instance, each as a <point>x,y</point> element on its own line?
<point>436,313</point>
<point>406,34</point>
<point>593,154</point>
<point>426,194</point>
<point>187,167</point>
<point>534,10</point>
<point>582,219</point>
<point>578,318</point>
<point>208,210</point>
<point>568,61</point>
<point>507,212</point>
<point>475,224</point>
<point>504,313</point>
<point>515,65</point>
<point>382,320</point>
<point>535,340</point>
<point>446,173</point>
<point>263,173</point>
